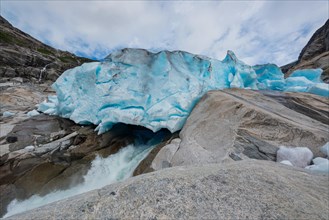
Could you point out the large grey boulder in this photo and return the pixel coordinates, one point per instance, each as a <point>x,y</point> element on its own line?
<point>237,124</point>
<point>163,158</point>
<point>240,190</point>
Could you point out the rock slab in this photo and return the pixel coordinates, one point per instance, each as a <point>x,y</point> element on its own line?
<point>240,190</point>
<point>235,124</point>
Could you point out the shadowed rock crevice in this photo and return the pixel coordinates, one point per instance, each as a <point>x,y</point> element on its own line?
<point>145,166</point>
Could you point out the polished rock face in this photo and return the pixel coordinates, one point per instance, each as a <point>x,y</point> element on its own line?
<point>239,190</point>
<point>236,124</point>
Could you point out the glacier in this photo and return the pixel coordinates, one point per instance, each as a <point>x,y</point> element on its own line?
<point>159,90</point>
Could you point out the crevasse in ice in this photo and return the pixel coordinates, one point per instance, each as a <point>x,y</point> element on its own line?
<point>159,90</point>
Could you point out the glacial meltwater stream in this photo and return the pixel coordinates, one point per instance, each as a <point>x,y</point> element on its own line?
<point>103,171</point>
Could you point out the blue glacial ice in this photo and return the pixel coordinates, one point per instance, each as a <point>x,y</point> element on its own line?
<point>159,90</point>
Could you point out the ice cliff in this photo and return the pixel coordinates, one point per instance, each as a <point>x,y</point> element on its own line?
<point>159,90</point>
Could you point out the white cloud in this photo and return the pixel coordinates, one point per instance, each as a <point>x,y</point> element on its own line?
<point>258,31</point>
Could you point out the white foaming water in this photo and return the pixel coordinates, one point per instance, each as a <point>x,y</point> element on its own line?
<point>103,171</point>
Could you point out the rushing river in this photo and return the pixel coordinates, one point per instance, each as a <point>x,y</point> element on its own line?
<point>103,171</point>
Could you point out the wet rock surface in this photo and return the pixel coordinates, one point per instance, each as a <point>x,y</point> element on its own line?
<point>241,124</point>
<point>43,153</point>
<point>250,189</point>
<point>39,130</point>
<point>59,160</point>
<point>17,98</point>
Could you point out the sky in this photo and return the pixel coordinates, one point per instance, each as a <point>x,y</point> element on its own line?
<point>257,31</point>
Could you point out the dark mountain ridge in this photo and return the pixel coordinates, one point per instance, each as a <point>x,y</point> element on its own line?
<point>314,55</point>
<point>23,56</point>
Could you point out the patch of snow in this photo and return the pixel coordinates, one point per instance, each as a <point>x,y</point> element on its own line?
<point>29,148</point>
<point>4,149</point>
<point>298,156</point>
<point>321,165</point>
<point>319,160</point>
<point>325,149</point>
<point>33,113</point>
<point>286,162</point>
<point>7,114</point>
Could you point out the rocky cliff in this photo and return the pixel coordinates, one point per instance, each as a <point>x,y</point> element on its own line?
<point>23,56</point>
<point>314,55</point>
